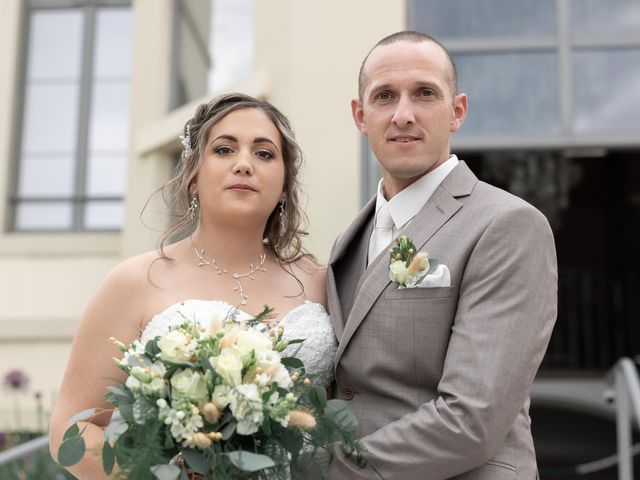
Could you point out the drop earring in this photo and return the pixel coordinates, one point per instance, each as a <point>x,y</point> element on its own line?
<point>193,206</point>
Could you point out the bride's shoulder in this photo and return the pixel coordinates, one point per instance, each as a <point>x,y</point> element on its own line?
<point>135,274</point>
<point>313,276</point>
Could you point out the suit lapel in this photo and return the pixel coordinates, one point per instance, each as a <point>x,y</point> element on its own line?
<point>436,212</point>
<point>341,290</point>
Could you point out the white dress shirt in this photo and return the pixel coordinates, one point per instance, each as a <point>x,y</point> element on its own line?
<point>408,202</point>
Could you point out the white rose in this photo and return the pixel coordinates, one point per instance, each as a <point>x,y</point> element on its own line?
<point>281,377</point>
<point>192,384</point>
<point>398,272</point>
<point>228,365</point>
<point>173,347</point>
<point>220,396</point>
<point>133,383</point>
<point>246,406</point>
<point>252,340</point>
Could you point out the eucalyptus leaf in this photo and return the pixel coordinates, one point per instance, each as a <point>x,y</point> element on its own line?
<point>151,349</point>
<point>72,431</point>
<point>71,451</point>
<point>297,340</point>
<point>126,410</point>
<point>196,460</point>
<point>318,398</point>
<point>340,411</point>
<point>291,439</point>
<point>119,395</point>
<point>165,472</point>
<point>292,362</point>
<point>116,427</point>
<point>250,462</point>
<point>108,458</point>
<point>228,430</point>
<point>83,415</point>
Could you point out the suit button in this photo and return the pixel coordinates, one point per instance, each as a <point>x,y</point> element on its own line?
<point>347,393</point>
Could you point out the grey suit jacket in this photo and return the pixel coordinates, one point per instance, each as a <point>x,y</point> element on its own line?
<point>439,378</point>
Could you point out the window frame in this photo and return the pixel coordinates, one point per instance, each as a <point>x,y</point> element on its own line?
<point>564,45</point>
<point>79,198</point>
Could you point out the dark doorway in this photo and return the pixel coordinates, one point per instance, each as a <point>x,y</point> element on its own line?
<point>592,200</point>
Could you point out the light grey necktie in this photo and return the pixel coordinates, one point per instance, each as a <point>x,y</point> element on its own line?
<point>382,233</point>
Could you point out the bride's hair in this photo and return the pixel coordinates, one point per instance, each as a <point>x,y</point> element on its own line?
<point>284,233</point>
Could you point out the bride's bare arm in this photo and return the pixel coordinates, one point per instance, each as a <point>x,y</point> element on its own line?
<point>115,311</point>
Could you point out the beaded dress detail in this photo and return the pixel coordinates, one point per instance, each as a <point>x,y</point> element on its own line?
<point>308,321</point>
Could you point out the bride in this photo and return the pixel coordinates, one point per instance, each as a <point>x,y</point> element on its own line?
<point>236,195</point>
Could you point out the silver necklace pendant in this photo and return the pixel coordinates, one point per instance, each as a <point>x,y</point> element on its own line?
<point>237,277</point>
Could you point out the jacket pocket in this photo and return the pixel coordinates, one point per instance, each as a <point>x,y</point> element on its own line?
<point>394,293</point>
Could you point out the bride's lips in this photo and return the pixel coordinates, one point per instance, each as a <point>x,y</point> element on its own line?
<point>241,187</point>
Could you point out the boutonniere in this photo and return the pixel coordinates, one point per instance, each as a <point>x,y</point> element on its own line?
<point>408,267</point>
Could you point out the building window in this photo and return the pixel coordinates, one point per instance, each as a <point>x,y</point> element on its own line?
<point>549,73</point>
<point>73,141</point>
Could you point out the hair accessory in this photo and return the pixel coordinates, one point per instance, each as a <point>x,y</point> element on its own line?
<point>193,206</point>
<point>237,277</point>
<point>185,140</point>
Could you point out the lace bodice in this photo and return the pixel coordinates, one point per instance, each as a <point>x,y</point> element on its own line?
<point>309,321</point>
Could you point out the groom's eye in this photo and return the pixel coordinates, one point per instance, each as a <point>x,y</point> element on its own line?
<point>383,95</point>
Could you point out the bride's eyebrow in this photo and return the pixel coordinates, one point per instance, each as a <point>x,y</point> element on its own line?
<point>265,140</point>
<point>231,138</point>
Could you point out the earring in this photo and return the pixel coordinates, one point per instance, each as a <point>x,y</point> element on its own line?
<point>193,206</point>
<point>281,216</point>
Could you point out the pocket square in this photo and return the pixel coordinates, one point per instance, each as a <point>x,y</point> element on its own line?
<point>440,277</point>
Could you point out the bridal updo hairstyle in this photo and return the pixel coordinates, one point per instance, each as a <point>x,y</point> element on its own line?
<point>284,236</point>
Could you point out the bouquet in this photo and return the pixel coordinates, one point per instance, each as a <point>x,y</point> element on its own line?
<point>218,403</point>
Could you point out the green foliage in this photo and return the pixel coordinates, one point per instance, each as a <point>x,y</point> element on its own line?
<point>140,448</point>
<point>71,451</point>
<point>40,467</point>
<point>250,462</point>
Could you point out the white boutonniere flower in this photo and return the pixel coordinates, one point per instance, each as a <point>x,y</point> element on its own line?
<point>407,266</point>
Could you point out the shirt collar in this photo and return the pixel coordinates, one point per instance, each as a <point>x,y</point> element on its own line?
<point>407,203</point>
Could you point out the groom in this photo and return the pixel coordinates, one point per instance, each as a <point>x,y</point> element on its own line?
<point>438,375</point>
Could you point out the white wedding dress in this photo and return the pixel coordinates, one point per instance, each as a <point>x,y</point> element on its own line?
<point>308,321</point>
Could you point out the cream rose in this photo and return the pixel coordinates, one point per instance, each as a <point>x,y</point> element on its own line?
<point>253,340</point>
<point>173,347</point>
<point>190,383</point>
<point>398,272</point>
<point>228,365</point>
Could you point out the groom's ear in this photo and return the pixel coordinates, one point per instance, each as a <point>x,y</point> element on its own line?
<point>358,115</point>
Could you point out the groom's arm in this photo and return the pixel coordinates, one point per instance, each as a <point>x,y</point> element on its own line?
<point>505,315</point>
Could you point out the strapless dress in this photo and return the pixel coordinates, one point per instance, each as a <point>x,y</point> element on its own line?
<point>308,321</point>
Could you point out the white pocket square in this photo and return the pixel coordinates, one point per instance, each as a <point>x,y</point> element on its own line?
<point>440,277</point>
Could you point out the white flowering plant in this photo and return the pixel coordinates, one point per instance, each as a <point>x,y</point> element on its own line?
<point>219,403</point>
<point>407,266</point>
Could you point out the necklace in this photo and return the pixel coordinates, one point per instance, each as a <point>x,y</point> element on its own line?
<point>237,277</point>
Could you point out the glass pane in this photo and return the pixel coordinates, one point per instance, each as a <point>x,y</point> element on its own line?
<point>113,43</point>
<point>602,17</point>
<point>109,123</point>
<point>509,93</point>
<point>46,176</point>
<point>606,91</point>
<point>50,119</point>
<point>486,18</point>
<point>106,175</point>
<point>103,215</point>
<point>231,42</point>
<point>43,216</point>
<point>55,44</point>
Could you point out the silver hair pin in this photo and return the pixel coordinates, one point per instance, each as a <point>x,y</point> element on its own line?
<point>185,140</point>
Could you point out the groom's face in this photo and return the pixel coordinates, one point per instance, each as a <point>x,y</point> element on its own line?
<point>408,110</point>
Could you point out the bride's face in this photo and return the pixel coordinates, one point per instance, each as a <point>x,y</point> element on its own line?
<point>242,174</point>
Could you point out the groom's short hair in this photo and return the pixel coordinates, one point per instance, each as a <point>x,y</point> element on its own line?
<point>412,37</point>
